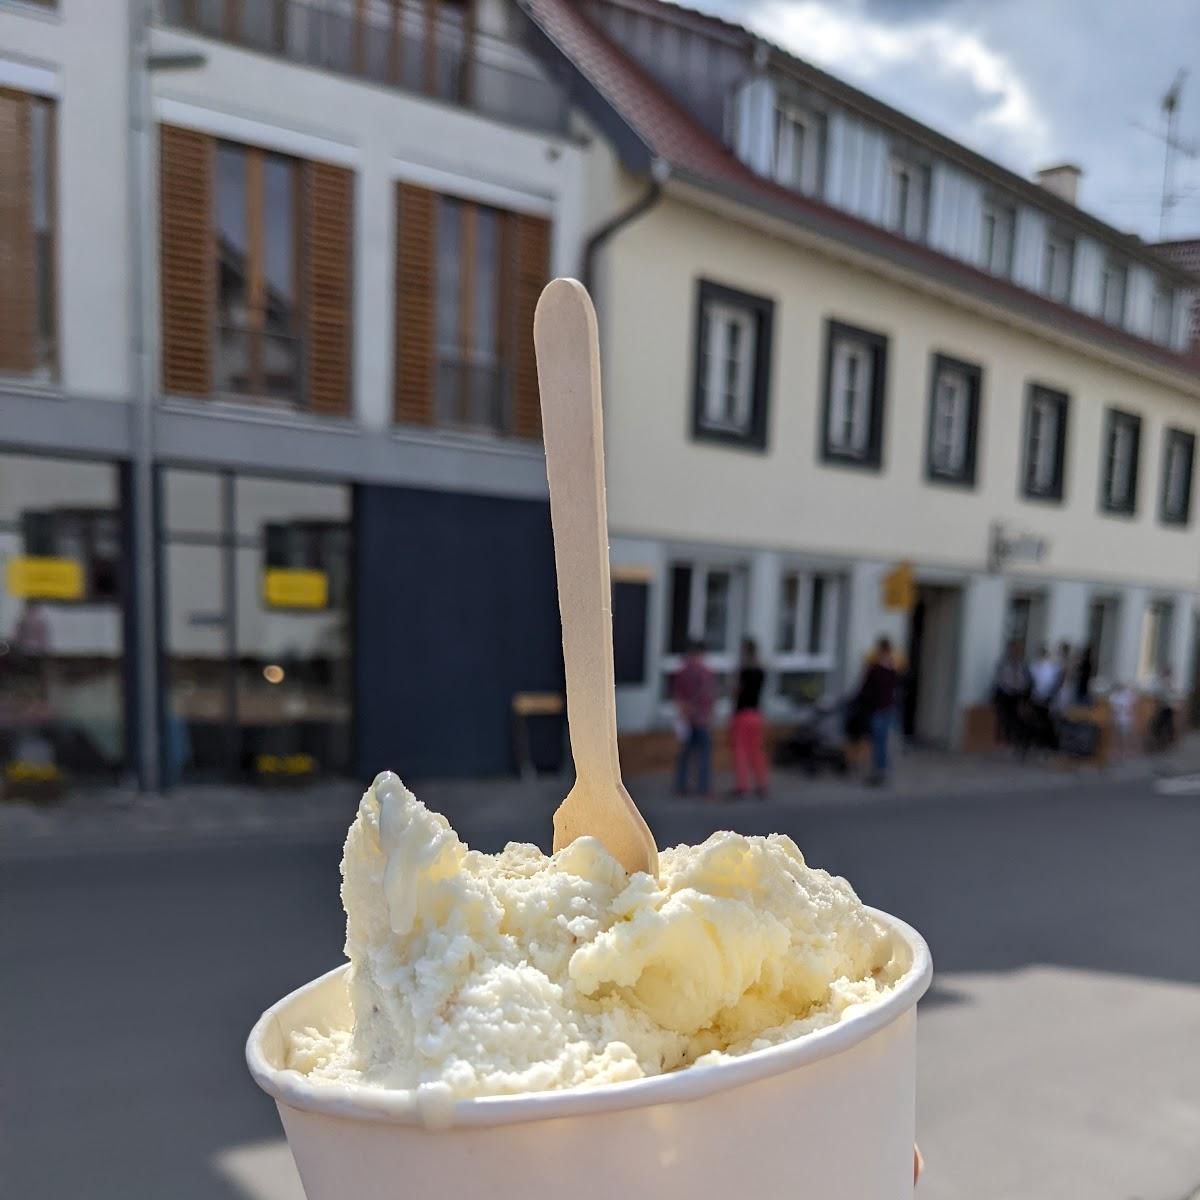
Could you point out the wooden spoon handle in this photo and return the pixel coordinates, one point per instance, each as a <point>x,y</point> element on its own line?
<point>568,363</point>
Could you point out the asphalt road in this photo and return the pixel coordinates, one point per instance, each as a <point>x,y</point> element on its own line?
<point>1060,1045</point>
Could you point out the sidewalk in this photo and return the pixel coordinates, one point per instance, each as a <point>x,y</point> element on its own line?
<point>114,818</point>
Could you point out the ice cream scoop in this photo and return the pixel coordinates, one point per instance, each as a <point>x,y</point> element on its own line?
<point>568,362</point>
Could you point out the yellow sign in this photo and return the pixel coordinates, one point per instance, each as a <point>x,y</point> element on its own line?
<point>285,764</point>
<point>20,771</point>
<point>294,588</point>
<point>900,588</point>
<point>32,577</point>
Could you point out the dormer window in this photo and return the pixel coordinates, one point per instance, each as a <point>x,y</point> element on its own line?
<point>996,247</point>
<point>908,197</point>
<point>1113,281</point>
<point>1160,315</point>
<point>799,146</point>
<point>1057,263</point>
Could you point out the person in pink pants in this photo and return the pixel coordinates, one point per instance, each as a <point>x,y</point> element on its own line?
<point>746,732</point>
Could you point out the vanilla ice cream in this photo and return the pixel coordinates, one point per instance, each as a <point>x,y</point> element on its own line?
<point>479,975</point>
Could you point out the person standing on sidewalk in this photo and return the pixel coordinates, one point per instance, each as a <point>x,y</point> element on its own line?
<point>694,691</point>
<point>877,702</point>
<point>746,730</point>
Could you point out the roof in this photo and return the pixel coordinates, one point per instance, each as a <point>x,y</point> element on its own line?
<point>646,123</point>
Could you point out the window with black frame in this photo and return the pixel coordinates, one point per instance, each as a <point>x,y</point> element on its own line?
<point>1044,469</point>
<point>953,421</point>
<point>1119,468</point>
<point>1179,452</point>
<point>733,366</point>
<point>852,413</point>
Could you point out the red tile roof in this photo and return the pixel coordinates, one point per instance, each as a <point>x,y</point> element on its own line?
<point>669,132</point>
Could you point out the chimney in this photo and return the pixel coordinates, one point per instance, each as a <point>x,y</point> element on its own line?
<point>1062,180</point>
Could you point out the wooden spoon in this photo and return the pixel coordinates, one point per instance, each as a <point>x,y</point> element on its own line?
<point>568,364</point>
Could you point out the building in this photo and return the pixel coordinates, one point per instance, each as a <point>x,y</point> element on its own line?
<point>271,266</point>
<point>837,343</point>
<point>272,495</point>
<point>1186,254</point>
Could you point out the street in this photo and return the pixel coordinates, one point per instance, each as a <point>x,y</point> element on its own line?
<point>1058,1044</point>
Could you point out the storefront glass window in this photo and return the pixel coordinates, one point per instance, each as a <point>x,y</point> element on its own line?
<point>258,597</point>
<point>61,623</point>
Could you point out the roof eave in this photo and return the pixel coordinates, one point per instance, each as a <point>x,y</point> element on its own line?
<point>962,278</point>
<point>632,149</point>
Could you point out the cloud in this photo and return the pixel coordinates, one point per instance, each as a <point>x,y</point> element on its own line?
<point>931,59</point>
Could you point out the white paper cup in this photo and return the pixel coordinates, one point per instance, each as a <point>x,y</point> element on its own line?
<point>829,1115</point>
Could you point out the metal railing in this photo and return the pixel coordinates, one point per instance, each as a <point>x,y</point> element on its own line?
<point>390,42</point>
<point>472,396</point>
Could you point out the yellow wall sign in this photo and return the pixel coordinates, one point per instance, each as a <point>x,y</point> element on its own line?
<point>33,577</point>
<point>900,588</point>
<point>290,587</point>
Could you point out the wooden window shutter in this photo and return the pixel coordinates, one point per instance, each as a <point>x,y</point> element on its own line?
<point>18,290</point>
<point>188,257</point>
<point>531,256</point>
<point>416,237</point>
<point>328,263</point>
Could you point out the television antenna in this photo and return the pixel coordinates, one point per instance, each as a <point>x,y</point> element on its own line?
<point>1172,145</point>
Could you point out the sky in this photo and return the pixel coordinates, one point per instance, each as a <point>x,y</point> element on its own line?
<point>1025,82</point>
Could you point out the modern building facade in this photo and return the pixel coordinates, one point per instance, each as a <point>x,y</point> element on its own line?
<point>275,264</point>
<point>837,344</point>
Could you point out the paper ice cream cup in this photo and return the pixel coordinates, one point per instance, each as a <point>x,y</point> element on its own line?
<point>830,1115</point>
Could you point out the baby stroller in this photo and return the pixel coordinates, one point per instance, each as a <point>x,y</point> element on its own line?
<point>817,742</point>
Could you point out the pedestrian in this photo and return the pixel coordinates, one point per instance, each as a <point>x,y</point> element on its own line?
<point>1066,674</point>
<point>1121,701</point>
<point>746,729</point>
<point>1085,672</point>
<point>1162,723</point>
<point>876,700</point>
<point>694,691</point>
<point>1010,688</point>
<point>1046,677</point>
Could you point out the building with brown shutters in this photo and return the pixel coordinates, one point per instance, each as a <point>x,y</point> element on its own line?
<point>272,264</point>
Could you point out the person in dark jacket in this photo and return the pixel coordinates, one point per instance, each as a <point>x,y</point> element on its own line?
<point>877,702</point>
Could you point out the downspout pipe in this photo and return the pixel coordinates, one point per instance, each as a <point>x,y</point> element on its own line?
<point>660,171</point>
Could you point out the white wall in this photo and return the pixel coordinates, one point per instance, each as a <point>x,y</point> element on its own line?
<point>81,54</point>
<point>663,483</point>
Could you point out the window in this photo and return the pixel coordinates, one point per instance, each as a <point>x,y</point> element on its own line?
<point>705,603</point>
<point>1045,443</point>
<point>257,211</point>
<point>1113,281</point>
<point>312,546</point>
<point>807,632</point>
<point>28,330</point>
<point>88,536</point>
<point>953,421</point>
<point>999,221</point>
<point>855,366</point>
<point>472,384</point>
<point>1103,614</point>
<point>799,145</point>
<point>1155,649</point>
<point>468,277</point>
<point>1057,260</point>
<point>1119,471</point>
<point>1160,315</point>
<point>907,198</point>
<point>1179,451</point>
<point>733,366</point>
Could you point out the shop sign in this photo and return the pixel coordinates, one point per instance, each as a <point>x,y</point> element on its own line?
<point>290,587</point>
<point>1005,548</point>
<point>285,764</point>
<point>900,588</point>
<point>35,577</point>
